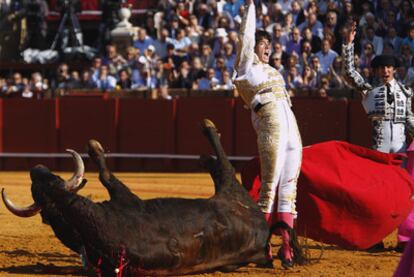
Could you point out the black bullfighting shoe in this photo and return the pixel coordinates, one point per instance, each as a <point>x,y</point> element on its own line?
<point>290,240</point>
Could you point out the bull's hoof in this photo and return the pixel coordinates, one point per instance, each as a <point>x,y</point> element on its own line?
<point>95,146</point>
<point>207,123</point>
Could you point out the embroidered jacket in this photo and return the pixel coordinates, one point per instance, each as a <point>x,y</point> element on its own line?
<point>256,82</point>
<point>374,100</point>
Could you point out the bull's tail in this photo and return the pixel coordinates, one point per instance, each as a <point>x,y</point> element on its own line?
<point>222,171</point>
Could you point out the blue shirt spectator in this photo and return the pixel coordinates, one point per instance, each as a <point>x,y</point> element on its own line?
<point>143,40</point>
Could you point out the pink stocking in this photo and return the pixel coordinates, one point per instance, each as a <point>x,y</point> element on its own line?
<point>287,251</point>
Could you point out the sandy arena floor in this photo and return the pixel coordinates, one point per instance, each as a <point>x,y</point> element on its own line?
<point>29,248</point>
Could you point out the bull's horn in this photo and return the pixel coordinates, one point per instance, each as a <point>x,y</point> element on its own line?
<point>73,184</point>
<point>19,211</point>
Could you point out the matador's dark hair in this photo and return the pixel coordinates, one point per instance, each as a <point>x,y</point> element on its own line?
<point>262,34</point>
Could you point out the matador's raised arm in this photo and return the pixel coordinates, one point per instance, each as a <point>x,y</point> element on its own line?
<point>245,45</point>
<point>356,79</point>
<point>348,55</point>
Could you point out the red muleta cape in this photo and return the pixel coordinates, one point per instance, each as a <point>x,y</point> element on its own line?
<point>347,195</point>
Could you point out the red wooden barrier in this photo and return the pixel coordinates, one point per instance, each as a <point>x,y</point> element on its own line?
<point>28,126</point>
<point>145,126</point>
<point>320,119</point>
<point>360,127</point>
<point>164,127</point>
<point>190,113</point>
<point>82,118</point>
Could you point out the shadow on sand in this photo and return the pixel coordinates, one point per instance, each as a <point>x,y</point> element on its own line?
<point>49,269</point>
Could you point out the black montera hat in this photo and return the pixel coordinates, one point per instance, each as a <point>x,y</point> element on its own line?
<point>385,60</point>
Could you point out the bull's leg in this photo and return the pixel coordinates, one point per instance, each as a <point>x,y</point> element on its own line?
<point>111,183</point>
<point>225,171</point>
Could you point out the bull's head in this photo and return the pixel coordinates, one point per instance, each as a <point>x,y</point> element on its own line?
<point>41,175</point>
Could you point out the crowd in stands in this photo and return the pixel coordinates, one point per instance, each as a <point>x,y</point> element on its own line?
<point>191,44</point>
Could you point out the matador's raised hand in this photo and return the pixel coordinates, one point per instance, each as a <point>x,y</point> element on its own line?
<point>350,33</point>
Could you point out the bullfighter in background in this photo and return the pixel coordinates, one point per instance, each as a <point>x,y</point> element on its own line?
<point>279,143</point>
<point>388,105</point>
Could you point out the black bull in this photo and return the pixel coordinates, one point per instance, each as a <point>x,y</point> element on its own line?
<point>162,236</point>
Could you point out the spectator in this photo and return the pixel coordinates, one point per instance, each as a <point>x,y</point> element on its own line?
<point>314,24</point>
<point>309,78</point>
<point>229,57</point>
<point>194,31</point>
<point>278,50</point>
<point>226,83</point>
<point>220,40</point>
<point>276,62</point>
<point>293,79</point>
<point>393,39</point>
<point>306,53</point>
<point>409,77</point>
<point>286,5</point>
<point>204,15</point>
<point>316,67</point>
<point>161,43</point>
<point>113,59</point>
<point>86,81</point>
<point>96,65</point>
<point>171,59</point>
<point>14,86</point>
<point>390,22</point>
<point>173,27</point>
<point>233,7</point>
<point>74,80</point>
<point>367,55</point>
<point>220,67</point>
<point>406,55</point>
<point>315,41</point>
<point>409,40</point>
<point>293,45</point>
<point>182,78</point>
<point>287,25</point>
<point>297,13</point>
<point>405,17</point>
<point>197,70</point>
<point>337,74</point>
<point>124,81</point>
<point>374,39</point>
<point>62,77</point>
<point>27,90</point>
<point>209,81</point>
<point>193,52</point>
<point>132,55</point>
<point>105,81</point>
<point>207,57</point>
<point>276,13</point>
<point>369,22</point>
<point>143,40</point>
<point>181,42</point>
<point>278,36</point>
<point>326,56</point>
